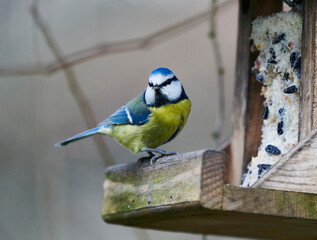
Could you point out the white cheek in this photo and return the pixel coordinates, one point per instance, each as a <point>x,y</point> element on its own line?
<point>149,96</point>
<point>172,91</point>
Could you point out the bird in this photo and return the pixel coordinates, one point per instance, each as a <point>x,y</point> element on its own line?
<point>153,118</point>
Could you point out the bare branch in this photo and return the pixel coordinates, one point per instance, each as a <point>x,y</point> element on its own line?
<point>220,70</point>
<point>74,87</point>
<point>101,49</point>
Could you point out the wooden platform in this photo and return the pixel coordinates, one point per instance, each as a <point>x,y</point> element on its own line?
<point>186,193</point>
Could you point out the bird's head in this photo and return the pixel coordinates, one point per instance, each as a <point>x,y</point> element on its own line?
<point>163,88</point>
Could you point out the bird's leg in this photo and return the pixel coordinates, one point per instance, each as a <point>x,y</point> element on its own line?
<point>151,155</point>
<point>154,157</point>
<point>159,151</point>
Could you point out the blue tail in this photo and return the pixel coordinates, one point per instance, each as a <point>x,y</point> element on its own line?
<point>79,136</point>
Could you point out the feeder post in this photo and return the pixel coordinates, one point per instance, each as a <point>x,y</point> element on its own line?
<point>308,94</point>
<point>247,106</point>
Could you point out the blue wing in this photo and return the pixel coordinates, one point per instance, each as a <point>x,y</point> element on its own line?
<point>134,112</point>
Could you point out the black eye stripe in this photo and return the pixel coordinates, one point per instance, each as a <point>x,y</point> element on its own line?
<point>167,82</point>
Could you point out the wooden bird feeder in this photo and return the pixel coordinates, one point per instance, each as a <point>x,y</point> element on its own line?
<point>199,192</point>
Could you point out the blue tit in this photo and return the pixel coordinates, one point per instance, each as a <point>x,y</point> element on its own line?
<point>153,118</point>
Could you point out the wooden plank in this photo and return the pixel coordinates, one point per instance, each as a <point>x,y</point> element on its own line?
<point>212,179</point>
<point>270,202</point>
<point>180,179</point>
<point>266,213</point>
<point>229,223</point>
<point>234,168</point>
<point>228,158</point>
<point>308,88</point>
<point>244,212</point>
<point>297,170</point>
<point>247,109</point>
<point>186,193</point>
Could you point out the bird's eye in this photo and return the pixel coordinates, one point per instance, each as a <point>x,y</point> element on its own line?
<point>150,84</point>
<point>167,82</point>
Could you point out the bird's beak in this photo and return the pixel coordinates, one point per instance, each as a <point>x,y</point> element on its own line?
<point>156,87</point>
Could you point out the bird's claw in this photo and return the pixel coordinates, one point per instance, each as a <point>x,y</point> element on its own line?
<point>172,153</point>
<point>156,157</point>
<point>155,154</point>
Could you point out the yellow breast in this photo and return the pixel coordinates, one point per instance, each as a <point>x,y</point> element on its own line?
<point>164,122</point>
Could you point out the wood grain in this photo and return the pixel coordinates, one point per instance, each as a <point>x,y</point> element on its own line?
<point>226,147</point>
<point>243,212</point>
<point>180,179</point>
<point>231,223</point>
<point>297,170</point>
<point>270,202</point>
<point>234,168</point>
<point>186,193</point>
<point>212,179</point>
<point>247,106</point>
<point>308,87</point>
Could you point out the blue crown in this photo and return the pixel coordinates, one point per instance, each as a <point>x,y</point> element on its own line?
<point>162,71</point>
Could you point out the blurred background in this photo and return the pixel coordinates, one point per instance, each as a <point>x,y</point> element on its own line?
<point>67,65</point>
